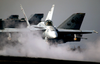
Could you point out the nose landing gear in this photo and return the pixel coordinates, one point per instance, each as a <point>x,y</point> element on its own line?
<point>9,36</point>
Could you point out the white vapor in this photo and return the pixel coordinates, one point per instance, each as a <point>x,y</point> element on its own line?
<point>32,45</point>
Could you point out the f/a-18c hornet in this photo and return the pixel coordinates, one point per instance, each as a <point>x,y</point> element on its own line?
<point>68,31</point>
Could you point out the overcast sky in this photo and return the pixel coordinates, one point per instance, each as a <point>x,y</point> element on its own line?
<point>63,9</point>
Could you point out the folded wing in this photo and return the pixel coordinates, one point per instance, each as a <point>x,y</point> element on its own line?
<point>73,22</point>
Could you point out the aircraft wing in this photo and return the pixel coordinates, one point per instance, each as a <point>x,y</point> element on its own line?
<point>14,30</point>
<point>69,31</point>
<point>20,29</point>
<point>73,22</point>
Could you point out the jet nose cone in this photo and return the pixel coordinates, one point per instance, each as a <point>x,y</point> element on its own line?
<point>54,34</point>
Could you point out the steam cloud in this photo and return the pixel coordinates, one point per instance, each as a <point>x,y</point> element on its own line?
<point>32,45</point>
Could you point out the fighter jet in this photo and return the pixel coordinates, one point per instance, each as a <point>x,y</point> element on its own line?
<point>68,31</point>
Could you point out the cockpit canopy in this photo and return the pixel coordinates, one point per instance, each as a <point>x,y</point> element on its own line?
<point>48,23</point>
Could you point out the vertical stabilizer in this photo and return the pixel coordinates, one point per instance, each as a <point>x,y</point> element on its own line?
<point>50,13</point>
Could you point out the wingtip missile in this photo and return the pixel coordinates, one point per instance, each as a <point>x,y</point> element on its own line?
<point>95,31</point>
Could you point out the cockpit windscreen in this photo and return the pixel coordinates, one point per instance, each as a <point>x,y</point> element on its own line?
<point>48,23</point>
